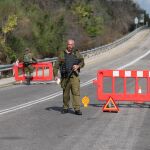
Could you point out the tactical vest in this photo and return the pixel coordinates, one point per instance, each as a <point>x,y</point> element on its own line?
<point>66,67</point>
<point>26,60</point>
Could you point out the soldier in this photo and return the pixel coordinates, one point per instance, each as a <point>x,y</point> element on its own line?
<point>69,62</point>
<point>28,59</point>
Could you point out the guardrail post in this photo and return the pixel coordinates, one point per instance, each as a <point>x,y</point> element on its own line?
<point>0,75</point>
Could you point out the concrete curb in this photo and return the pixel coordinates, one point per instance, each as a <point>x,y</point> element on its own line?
<point>7,84</point>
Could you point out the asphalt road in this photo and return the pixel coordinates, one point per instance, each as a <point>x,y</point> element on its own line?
<point>30,117</point>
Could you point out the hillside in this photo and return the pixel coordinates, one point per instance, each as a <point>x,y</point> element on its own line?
<point>44,25</point>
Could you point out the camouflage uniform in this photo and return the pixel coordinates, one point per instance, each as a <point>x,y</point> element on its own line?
<point>28,59</point>
<point>70,81</point>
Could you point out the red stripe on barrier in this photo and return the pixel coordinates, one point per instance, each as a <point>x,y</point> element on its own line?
<point>43,72</point>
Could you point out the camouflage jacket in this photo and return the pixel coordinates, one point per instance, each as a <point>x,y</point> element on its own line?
<point>28,58</point>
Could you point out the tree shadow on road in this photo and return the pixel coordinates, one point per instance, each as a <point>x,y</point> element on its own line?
<point>12,138</point>
<point>126,105</point>
<point>96,105</point>
<point>134,105</point>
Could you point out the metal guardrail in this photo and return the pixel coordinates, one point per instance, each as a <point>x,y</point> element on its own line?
<point>87,53</point>
<point>102,49</point>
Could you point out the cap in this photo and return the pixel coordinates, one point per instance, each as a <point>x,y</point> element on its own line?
<point>27,49</point>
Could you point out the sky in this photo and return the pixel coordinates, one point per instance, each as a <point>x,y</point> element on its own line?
<point>145,4</point>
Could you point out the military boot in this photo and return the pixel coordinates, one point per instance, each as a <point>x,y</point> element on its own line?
<point>78,112</point>
<point>28,80</point>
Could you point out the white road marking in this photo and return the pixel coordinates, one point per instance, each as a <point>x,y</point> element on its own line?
<point>18,107</point>
<point>134,61</point>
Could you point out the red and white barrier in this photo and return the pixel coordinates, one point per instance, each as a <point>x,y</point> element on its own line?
<point>137,94</point>
<point>43,72</point>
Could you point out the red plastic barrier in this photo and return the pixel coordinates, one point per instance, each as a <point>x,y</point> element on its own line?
<point>138,95</point>
<point>39,74</point>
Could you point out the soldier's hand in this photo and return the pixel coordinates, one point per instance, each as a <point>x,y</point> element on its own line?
<point>17,62</point>
<point>56,78</point>
<point>75,67</point>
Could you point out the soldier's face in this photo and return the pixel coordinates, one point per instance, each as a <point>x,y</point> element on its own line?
<point>70,45</point>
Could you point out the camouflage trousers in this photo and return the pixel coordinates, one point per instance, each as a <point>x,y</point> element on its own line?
<point>71,85</point>
<point>29,70</point>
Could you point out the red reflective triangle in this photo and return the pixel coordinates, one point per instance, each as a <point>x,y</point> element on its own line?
<point>113,108</point>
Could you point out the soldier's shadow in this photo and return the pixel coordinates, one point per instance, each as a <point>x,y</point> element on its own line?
<point>59,109</point>
<point>55,108</point>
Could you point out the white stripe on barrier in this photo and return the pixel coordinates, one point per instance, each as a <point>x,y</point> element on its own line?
<point>127,73</point>
<point>116,73</point>
<point>139,73</point>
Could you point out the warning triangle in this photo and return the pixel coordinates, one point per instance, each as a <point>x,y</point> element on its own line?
<point>110,106</point>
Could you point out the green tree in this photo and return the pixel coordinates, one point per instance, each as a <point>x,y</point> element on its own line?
<point>92,24</point>
<point>9,26</point>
